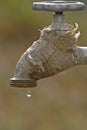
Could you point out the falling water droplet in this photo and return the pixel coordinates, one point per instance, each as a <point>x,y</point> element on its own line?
<point>28,93</point>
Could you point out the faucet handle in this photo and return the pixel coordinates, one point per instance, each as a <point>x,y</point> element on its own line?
<point>58,6</point>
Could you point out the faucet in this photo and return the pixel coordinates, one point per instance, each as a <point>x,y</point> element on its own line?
<point>56,49</point>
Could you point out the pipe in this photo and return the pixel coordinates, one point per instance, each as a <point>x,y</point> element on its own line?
<point>83,55</point>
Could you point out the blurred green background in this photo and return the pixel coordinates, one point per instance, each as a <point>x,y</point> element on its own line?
<point>57,103</point>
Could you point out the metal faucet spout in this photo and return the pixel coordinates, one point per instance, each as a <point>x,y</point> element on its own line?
<point>55,50</point>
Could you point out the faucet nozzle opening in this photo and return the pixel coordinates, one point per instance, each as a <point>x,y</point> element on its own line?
<point>22,83</point>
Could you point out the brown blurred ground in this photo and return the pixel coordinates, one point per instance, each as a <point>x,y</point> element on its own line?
<point>57,103</point>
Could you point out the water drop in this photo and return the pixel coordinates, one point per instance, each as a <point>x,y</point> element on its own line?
<point>28,93</point>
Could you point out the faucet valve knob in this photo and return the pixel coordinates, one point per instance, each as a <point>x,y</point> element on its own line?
<point>58,6</point>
